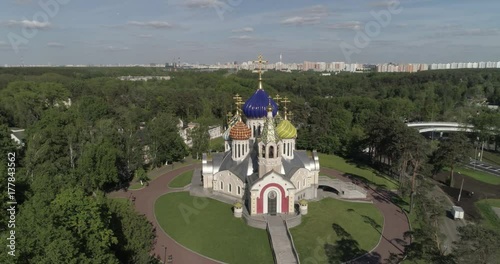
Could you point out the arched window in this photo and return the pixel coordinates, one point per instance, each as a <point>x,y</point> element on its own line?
<point>271,152</point>
<point>230,187</point>
<point>298,185</point>
<point>263,151</point>
<point>239,190</point>
<point>222,186</point>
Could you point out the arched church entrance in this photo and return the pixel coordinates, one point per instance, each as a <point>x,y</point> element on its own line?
<point>272,202</point>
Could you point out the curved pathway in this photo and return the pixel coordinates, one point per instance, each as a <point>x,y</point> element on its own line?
<point>145,199</point>
<point>395,224</point>
<point>392,241</point>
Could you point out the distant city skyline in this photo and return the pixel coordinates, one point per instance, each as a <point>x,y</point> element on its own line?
<point>62,32</point>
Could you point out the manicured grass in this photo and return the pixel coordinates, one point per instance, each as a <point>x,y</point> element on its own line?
<point>490,218</point>
<point>340,164</point>
<point>135,185</point>
<point>122,200</point>
<point>209,228</point>
<point>181,180</point>
<point>359,220</point>
<point>478,175</point>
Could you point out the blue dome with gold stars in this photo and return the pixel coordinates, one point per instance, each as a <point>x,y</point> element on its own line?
<point>256,106</point>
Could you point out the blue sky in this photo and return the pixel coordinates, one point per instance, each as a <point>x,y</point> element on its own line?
<point>210,31</point>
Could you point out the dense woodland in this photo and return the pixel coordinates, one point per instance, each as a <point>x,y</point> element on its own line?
<point>74,154</point>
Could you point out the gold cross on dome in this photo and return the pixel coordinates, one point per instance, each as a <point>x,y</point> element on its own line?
<point>289,114</point>
<point>238,103</point>
<point>260,61</point>
<point>285,101</point>
<point>277,99</point>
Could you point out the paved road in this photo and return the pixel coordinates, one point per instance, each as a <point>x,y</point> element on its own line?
<point>483,166</point>
<point>395,225</point>
<point>144,204</point>
<point>447,225</point>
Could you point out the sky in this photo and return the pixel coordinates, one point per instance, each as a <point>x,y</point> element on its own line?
<point>60,32</point>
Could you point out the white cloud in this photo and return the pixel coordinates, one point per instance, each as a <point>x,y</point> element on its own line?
<point>243,30</point>
<point>242,37</point>
<point>55,45</point>
<point>31,24</point>
<point>311,15</point>
<point>353,25</point>
<point>196,4</point>
<point>300,21</point>
<point>113,48</point>
<point>152,24</point>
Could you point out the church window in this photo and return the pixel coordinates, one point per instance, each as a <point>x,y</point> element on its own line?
<point>298,185</point>
<point>271,152</point>
<point>263,151</point>
<point>239,190</point>
<point>222,186</point>
<point>230,187</point>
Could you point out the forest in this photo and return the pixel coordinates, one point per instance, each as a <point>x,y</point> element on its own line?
<point>87,133</point>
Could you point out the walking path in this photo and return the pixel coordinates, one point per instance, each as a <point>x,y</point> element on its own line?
<point>144,203</point>
<point>282,245</point>
<point>395,224</point>
<point>447,225</point>
<point>392,241</point>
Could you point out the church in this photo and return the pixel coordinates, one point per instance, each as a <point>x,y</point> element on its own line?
<point>260,165</point>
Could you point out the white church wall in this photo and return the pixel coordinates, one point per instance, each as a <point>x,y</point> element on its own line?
<point>229,182</point>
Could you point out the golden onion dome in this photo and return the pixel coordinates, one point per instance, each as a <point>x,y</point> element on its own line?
<point>286,130</point>
<point>240,131</point>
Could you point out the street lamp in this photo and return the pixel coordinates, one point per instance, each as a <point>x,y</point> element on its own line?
<point>461,187</point>
<point>475,155</point>
<point>165,254</point>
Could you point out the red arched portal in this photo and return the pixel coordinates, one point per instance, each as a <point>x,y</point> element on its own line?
<point>284,198</point>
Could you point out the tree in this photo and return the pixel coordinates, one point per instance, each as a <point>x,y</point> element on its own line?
<point>98,166</point>
<point>201,141</point>
<point>477,245</point>
<point>141,175</point>
<point>134,233</point>
<point>452,152</point>
<point>164,141</point>
<point>72,228</point>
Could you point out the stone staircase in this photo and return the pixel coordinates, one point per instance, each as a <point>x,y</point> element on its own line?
<point>283,249</point>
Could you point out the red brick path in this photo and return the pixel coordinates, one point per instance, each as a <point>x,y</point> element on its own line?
<point>395,222</point>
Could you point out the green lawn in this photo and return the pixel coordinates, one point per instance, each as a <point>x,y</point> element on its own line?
<point>340,164</point>
<point>488,156</point>
<point>478,175</point>
<point>181,180</point>
<point>209,228</point>
<point>490,218</point>
<point>122,200</point>
<point>316,235</point>
<point>135,185</point>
